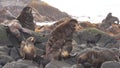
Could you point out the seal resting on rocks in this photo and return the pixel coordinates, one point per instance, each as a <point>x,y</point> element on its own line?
<point>27,49</point>
<point>15,29</point>
<point>97,57</point>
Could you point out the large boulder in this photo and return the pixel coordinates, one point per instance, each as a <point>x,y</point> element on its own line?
<point>111,64</point>
<point>14,53</point>
<point>95,37</point>
<point>4,50</point>
<point>47,12</point>
<point>87,38</point>
<point>57,64</point>
<point>0,66</point>
<point>21,64</point>
<point>5,59</point>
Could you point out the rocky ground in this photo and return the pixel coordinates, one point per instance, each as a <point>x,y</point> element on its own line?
<point>84,38</point>
<point>93,47</point>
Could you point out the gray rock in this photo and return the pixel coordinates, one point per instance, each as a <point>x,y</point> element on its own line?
<point>94,37</point>
<point>0,66</point>
<point>77,66</point>
<point>3,53</point>
<point>5,59</point>
<point>4,49</point>
<point>57,64</point>
<point>110,64</point>
<point>14,53</point>
<point>21,64</point>
<point>3,36</point>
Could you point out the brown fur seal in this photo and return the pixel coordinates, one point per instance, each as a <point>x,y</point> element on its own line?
<point>60,41</point>
<point>15,28</point>
<point>97,57</point>
<point>26,18</point>
<point>27,50</point>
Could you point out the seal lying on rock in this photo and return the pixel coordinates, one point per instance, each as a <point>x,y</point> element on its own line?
<point>15,29</point>
<point>97,57</point>
<point>27,49</point>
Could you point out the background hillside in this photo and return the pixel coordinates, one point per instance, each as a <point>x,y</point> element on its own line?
<point>44,12</point>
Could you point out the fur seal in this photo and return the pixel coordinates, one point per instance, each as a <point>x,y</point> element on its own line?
<point>26,18</point>
<point>27,50</point>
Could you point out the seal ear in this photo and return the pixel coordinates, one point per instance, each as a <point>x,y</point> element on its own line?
<point>32,39</point>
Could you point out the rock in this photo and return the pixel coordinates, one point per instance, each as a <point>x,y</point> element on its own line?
<point>21,64</point>
<point>70,60</point>
<point>14,53</point>
<point>5,14</point>
<point>3,36</point>
<point>4,49</point>
<point>48,12</point>
<point>5,59</point>
<point>57,64</point>
<point>39,52</point>
<point>77,66</point>
<point>0,66</point>
<point>40,40</point>
<point>3,53</point>
<point>94,37</point>
<point>110,64</point>
<point>45,11</point>
<point>87,34</point>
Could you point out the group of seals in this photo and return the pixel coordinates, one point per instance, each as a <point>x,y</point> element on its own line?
<point>23,24</point>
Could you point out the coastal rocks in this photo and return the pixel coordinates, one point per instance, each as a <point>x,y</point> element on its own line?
<point>4,49</point>
<point>21,64</point>
<point>94,37</point>
<point>57,64</point>
<point>14,53</point>
<point>111,64</point>
<point>3,36</point>
<point>5,59</point>
<point>47,11</point>
<point>9,53</point>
